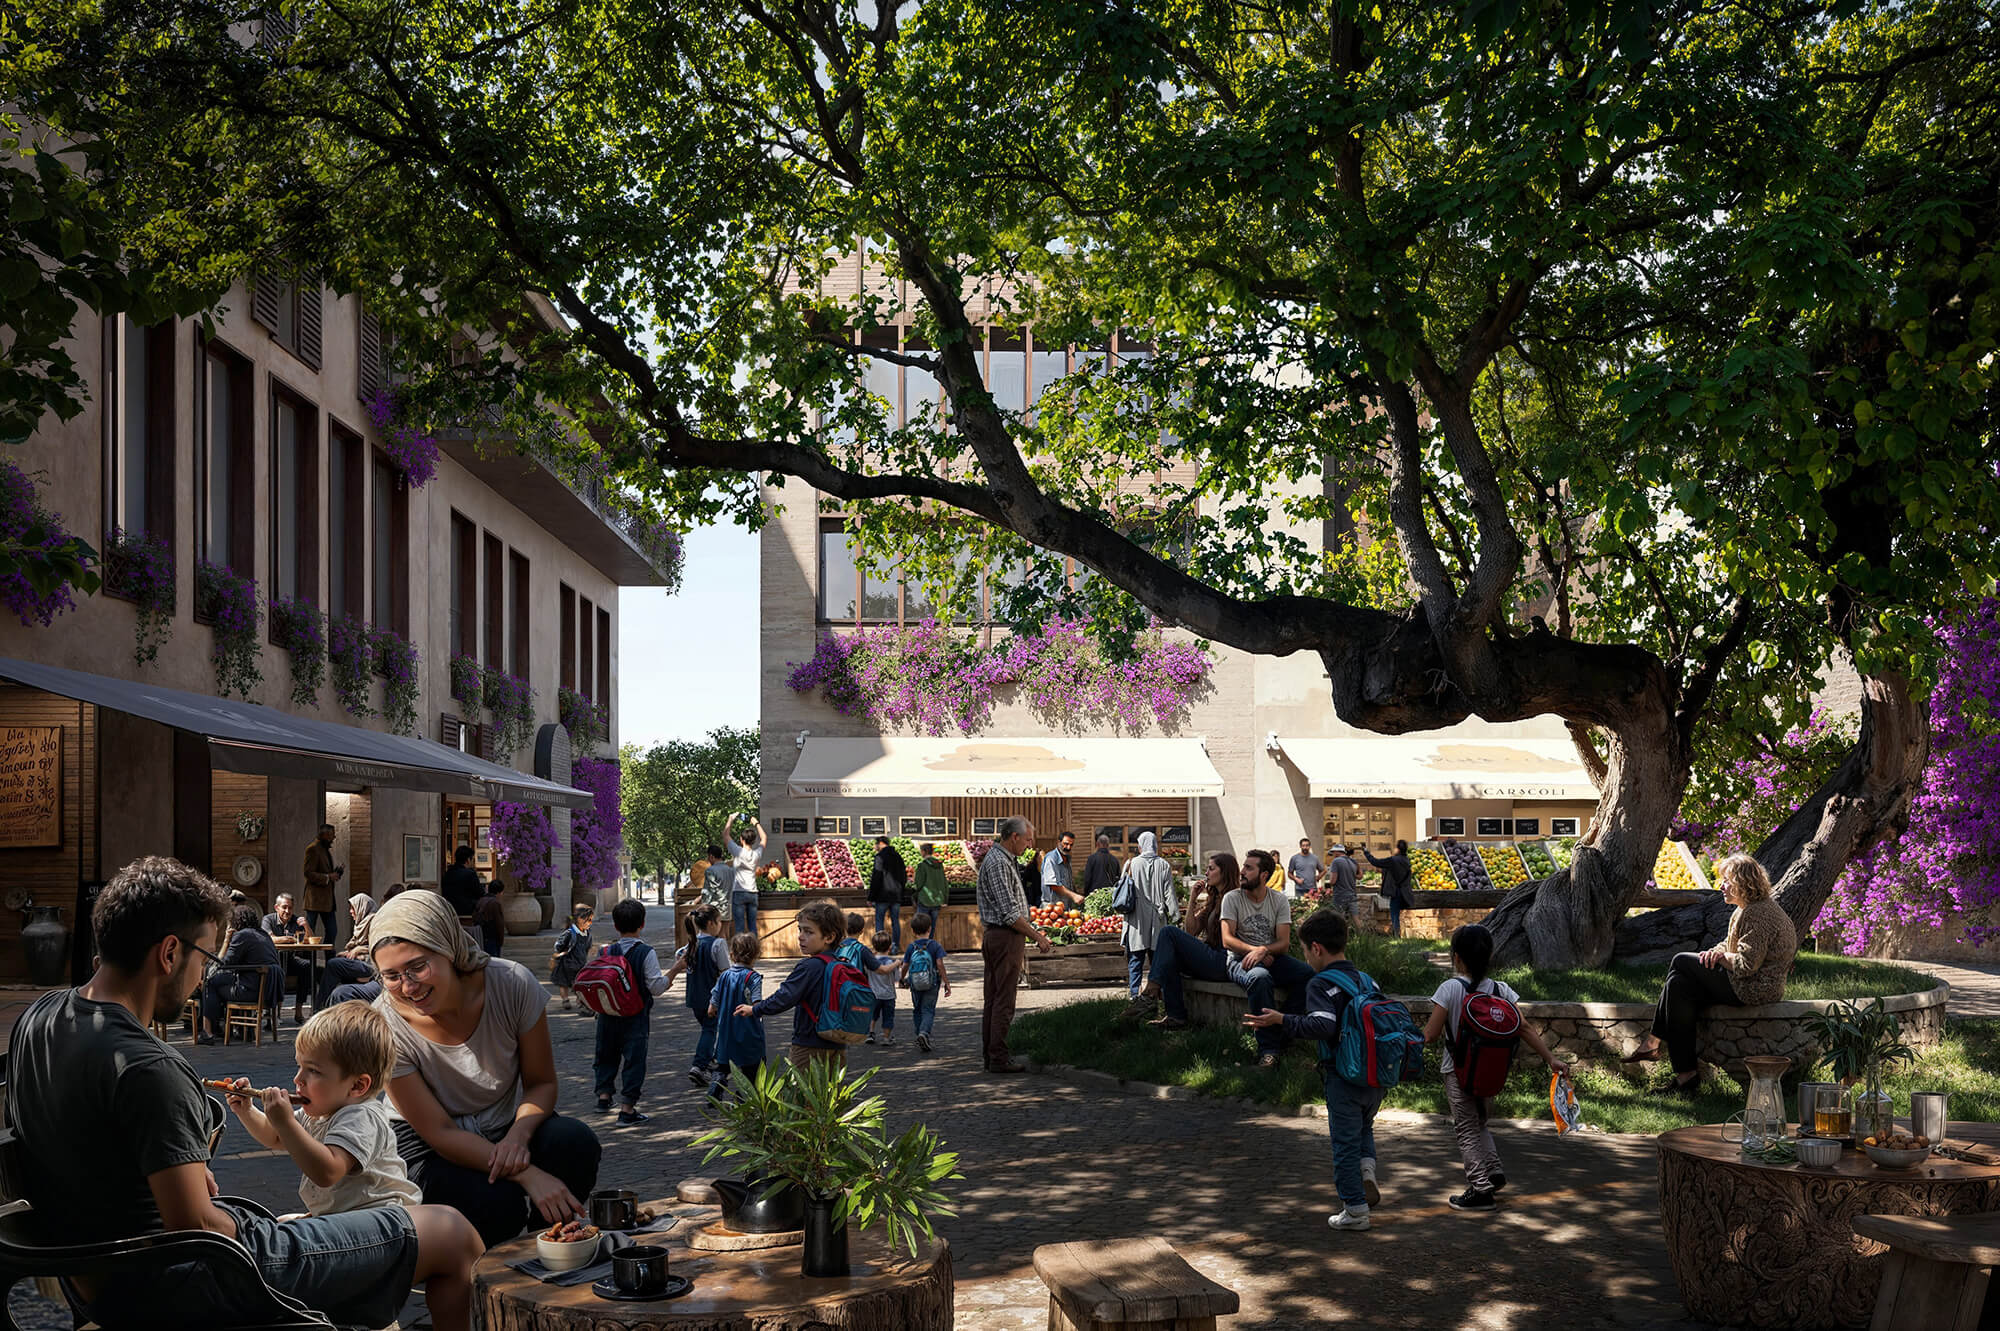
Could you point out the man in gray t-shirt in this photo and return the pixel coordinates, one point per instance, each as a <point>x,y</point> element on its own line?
<point>1256,929</point>
<point>1304,868</point>
<point>1342,873</point>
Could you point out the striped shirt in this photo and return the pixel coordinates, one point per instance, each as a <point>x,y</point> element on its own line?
<point>1001,900</point>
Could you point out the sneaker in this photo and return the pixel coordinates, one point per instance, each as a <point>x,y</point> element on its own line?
<point>870,1039</point>
<point>889,1040</point>
<point>603,1106</point>
<point>204,1038</point>
<point>1167,1023</point>
<point>697,1077</point>
<point>1496,1181</point>
<point>1138,1010</point>
<point>1370,1191</point>
<point>1472,1199</point>
<point>1349,1218</point>
<point>631,1117</point>
<point>924,1041</point>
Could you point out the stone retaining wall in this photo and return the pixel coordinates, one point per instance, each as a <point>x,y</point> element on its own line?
<point>1606,1031</point>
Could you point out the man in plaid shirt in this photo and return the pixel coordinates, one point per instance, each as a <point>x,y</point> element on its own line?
<point>1003,916</point>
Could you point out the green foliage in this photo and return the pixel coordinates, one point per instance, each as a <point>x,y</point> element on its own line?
<point>813,1127</point>
<point>677,795</point>
<point>1857,1038</point>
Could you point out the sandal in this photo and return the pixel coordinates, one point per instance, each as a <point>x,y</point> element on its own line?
<point>1642,1055</point>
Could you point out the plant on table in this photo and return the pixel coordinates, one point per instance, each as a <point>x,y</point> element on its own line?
<point>299,628</point>
<point>814,1128</point>
<point>1859,1040</point>
<point>228,601</point>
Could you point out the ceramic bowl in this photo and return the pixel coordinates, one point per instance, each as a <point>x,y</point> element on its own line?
<point>1889,1159</point>
<point>1818,1152</point>
<point>568,1256</point>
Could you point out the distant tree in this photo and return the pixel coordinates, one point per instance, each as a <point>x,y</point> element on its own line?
<point>679,794</point>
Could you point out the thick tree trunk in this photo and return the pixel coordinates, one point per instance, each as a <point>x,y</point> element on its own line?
<point>1867,797</point>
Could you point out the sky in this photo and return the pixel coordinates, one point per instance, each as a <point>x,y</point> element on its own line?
<point>679,676</point>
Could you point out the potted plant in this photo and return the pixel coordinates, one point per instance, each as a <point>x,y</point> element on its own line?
<point>1858,1040</point>
<point>815,1129</point>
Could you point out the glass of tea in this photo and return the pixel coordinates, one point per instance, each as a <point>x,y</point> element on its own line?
<point>1833,1114</point>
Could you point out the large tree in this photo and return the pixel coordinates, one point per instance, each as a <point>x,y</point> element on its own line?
<point>678,795</point>
<point>1662,352</point>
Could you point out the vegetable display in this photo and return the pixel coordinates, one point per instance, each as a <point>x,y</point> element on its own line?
<point>958,866</point>
<point>1536,855</point>
<point>1503,865</point>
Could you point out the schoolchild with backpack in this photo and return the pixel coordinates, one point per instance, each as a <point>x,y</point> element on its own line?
<point>705,958</point>
<point>827,995</point>
<point>924,976</point>
<point>572,949</point>
<point>619,985</point>
<point>1479,1019</point>
<point>739,1041</point>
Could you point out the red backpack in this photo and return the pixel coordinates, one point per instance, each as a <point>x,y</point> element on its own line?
<point>613,985</point>
<point>1484,1041</point>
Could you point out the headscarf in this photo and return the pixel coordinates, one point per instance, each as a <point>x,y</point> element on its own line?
<point>426,919</point>
<point>1146,851</point>
<point>360,906</point>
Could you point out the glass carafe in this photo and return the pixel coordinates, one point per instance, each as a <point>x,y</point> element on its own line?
<point>1764,1108</point>
<point>1874,1111</point>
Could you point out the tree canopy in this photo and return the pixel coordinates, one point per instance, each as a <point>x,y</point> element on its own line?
<point>678,795</point>
<point>1654,347</point>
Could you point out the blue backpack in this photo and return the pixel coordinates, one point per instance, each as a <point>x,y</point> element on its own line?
<point>1380,1043</point>
<point>846,1009</point>
<point>922,973</point>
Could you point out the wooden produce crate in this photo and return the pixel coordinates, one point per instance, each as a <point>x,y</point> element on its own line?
<point>1075,965</point>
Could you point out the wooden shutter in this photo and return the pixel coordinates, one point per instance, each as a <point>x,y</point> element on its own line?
<point>274,29</point>
<point>310,332</point>
<point>265,293</point>
<point>368,382</point>
<point>489,743</point>
<point>449,729</point>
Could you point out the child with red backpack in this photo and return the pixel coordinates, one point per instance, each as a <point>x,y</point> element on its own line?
<point>1481,1020</point>
<point>624,975</point>
<point>825,993</point>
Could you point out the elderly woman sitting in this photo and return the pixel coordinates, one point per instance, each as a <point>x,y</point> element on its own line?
<point>351,975</point>
<point>1746,969</point>
<point>473,1091</point>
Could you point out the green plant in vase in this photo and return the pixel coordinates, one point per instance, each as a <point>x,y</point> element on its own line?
<point>1859,1039</point>
<point>816,1128</point>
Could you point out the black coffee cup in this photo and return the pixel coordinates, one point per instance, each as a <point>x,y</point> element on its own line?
<point>639,1269</point>
<point>614,1208</point>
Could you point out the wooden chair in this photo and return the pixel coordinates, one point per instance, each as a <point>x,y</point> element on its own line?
<point>1137,1283</point>
<point>1937,1270</point>
<point>244,1015</point>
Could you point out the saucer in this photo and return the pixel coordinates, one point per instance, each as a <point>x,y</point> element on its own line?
<point>676,1286</point>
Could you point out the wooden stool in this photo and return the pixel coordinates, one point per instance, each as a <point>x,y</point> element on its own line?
<point>1140,1283</point>
<point>1937,1269</point>
<point>238,1016</point>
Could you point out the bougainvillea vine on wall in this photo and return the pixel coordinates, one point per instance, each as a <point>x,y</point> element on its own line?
<point>397,661</point>
<point>596,834</point>
<point>140,568</point>
<point>413,451</point>
<point>228,602</point>
<point>350,650</point>
<point>26,524</point>
<point>299,628</point>
<point>525,840</point>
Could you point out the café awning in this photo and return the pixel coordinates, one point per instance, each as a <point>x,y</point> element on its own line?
<point>249,737</point>
<point>1036,767</point>
<point>1439,766</point>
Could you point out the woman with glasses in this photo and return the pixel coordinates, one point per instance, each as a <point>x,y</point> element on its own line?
<point>236,978</point>
<point>473,1090</point>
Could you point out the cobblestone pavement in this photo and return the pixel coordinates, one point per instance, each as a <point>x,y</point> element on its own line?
<point>1243,1193</point>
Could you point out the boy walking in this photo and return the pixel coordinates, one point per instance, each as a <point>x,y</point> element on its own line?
<point>924,974</point>
<point>820,927</point>
<point>1350,1109</point>
<point>625,1039</point>
<point>571,951</point>
<point>882,980</point>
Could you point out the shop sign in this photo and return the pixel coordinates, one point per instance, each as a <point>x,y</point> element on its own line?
<point>1451,826</point>
<point>830,826</point>
<point>874,827</point>
<point>1562,827</point>
<point>909,827</point>
<point>30,786</point>
<point>936,827</point>
<point>986,827</point>
<point>1494,827</point>
<point>1176,836</point>
<point>792,826</point>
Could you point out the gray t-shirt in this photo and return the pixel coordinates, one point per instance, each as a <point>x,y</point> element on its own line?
<point>1307,867</point>
<point>378,1177</point>
<point>717,885</point>
<point>478,1083</point>
<point>1343,872</point>
<point>1256,922</point>
<point>99,1106</point>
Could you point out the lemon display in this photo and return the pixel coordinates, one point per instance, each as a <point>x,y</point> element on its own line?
<point>1503,866</point>
<point>1670,869</point>
<point>1432,870</point>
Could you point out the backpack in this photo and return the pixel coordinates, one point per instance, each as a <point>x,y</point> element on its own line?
<point>703,971</point>
<point>1380,1042</point>
<point>922,975</point>
<point>1483,1043</point>
<point>856,954</point>
<point>613,985</point>
<point>846,1008</point>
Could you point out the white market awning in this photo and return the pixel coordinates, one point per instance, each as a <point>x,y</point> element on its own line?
<point>892,765</point>
<point>1439,766</point>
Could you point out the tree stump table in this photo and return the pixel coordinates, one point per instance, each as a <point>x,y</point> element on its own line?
<point>887,1290</point>
<point>1762,1245</point>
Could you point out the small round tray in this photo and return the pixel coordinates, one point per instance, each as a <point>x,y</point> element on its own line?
<point>676,1286</point>
<point>712,1237</point>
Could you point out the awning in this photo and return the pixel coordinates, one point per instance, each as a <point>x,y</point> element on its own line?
<point>1439,766</point>
<point>249,737</point>
<point>1031,768</point>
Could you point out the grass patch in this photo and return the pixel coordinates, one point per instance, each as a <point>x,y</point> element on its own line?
<point>1815,975</point>
<point>1615,1098</point>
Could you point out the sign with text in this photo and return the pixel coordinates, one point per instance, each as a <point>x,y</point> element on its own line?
<point>30,786</point>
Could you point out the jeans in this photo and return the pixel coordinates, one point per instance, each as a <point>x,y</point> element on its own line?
<point>564,1147</point>
<point>356,1267</point>
<point>238,987</point>
<point>492,940</point>
<point>1350,1121</point>
<point>885,1015</point>
<point>1177,952</point>
<point>1135,971</point>
<point>1004,952</point>
<point>1395,921</point>
<point>622,1039</point>
<point>923,1008</point>
<point>894,910</point>
<point>928,912</point>
<point>367,992</point>
<point>1280,972</point>
<point>704,1048</point>
<point>743,912</point>
<point>1689,988</point>
<point>341,971</point>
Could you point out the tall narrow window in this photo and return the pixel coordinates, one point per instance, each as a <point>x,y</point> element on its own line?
<point>496,603</point>
<point>839,579</point>
<point>294,499</point>
<point>1007,370</point>
<point>566,614</point>
<point>517,659</point>
<point>389,549</point>
<point>346,526</point>
<point>139,427</point>
<point>464,587</point>
<point>603,694</point>
<point>587,674</point>
<point>226,520</point>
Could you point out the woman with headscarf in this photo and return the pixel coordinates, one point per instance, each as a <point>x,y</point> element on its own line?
<point>1155,905</point>
<point>473,1090</point>
<point>1195,951</point>
<point>349,975</point>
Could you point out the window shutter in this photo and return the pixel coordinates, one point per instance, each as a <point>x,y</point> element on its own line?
<point>368,383</point>
<point>449,730</point>
<point>274,30</point>
<point>489,743</point>
<point>309,320</point>
<point>265,293</point>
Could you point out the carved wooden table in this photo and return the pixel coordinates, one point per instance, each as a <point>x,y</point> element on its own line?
<point>1762,1245</point>
<point>733,1291</point>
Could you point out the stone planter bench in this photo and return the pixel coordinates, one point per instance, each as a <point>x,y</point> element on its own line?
<point>1603,1032</point>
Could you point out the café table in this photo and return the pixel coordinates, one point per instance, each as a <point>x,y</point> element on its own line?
<point>315,953</point>
<point>758,1290</point>
<point>1773,1245</point>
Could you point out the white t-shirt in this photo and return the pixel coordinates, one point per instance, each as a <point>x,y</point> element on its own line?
<point>1451,997</point>
<point>478,1083</point>
<point>745,859</point>
<point>883,982</point>
<point>1257,922</point>
<point>378,1177</point>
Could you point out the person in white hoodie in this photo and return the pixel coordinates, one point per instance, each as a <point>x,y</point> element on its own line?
<point>1155,905</point>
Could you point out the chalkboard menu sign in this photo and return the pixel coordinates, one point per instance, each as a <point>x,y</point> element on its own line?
<point>1451,826</point>
<point>874,827</point>
<point>30,786</point>
<point>1176,836</point>
<point>1527,827</point>
<point>1493,827</point>
<point>830,827</point>
<point>936,827</point>
<point>1562,827</point>
<point>909,827</point>
<point>793,826</point>
<point>986,827</point>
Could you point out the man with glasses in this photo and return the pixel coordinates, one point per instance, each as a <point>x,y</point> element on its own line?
<point>114,1129</point>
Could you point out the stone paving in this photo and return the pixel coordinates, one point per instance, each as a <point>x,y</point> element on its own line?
<point>1243,1193</point>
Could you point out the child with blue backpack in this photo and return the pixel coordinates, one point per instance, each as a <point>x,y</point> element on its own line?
<point>739,1041</point>
<point>923,976</point>
<point>820,926</point>
<point>704,959</point>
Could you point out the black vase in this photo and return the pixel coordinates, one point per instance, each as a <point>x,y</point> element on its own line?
<point>45,940</point>
<point>826,1244</point>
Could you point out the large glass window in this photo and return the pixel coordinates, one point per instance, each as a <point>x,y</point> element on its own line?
<point>839,579</point>
<point>881,377</point>
<point>126,371</point>
<point>294,501</point>
<point>1045,367</point>
<point>1007,370</point>
<point>879,598</point>
<point>346,514</point>
<point>464,587</point>
<point>225,520</point>
<point>518,659</point>
<point>920,390</point>
<point>389,548</point>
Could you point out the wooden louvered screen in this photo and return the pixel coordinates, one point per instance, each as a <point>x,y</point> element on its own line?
<point>274,29</point>
<point>368,381</point>
<point>489,743</point>
<point>1050,816</point>
<point>311,333</point>
<point>450,728</point>
<point>265,294</point>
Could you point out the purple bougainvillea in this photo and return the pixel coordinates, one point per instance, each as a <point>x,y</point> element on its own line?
<point>228,601</point>
<point>413,451</point>
<point>397,661</point>
<point>660,543</point>
<point>140,567</point>
<point>933,679</point>
<point>299,628</point>
<point>583,718</point>
<point>25,523</point>
<point>525,840</point>
<point>350,650</point>
<point>596,834</point>
<point>511,699</point>
<point>466,684</point>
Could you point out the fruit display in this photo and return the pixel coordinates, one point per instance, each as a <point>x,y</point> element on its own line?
<point>958,865</point>
<point>1670,870</point>
<point>784,885</point>
<point>1503,865</point>
<point>1561,849</point>
<point>806,866</point>
<point>1535,854</point>
<point>841,873</point>
<point>908,849</point>
<point>1431,870</point>
<point>1467,866</point>
<point>977,849</point>
<point>1050,917</point>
